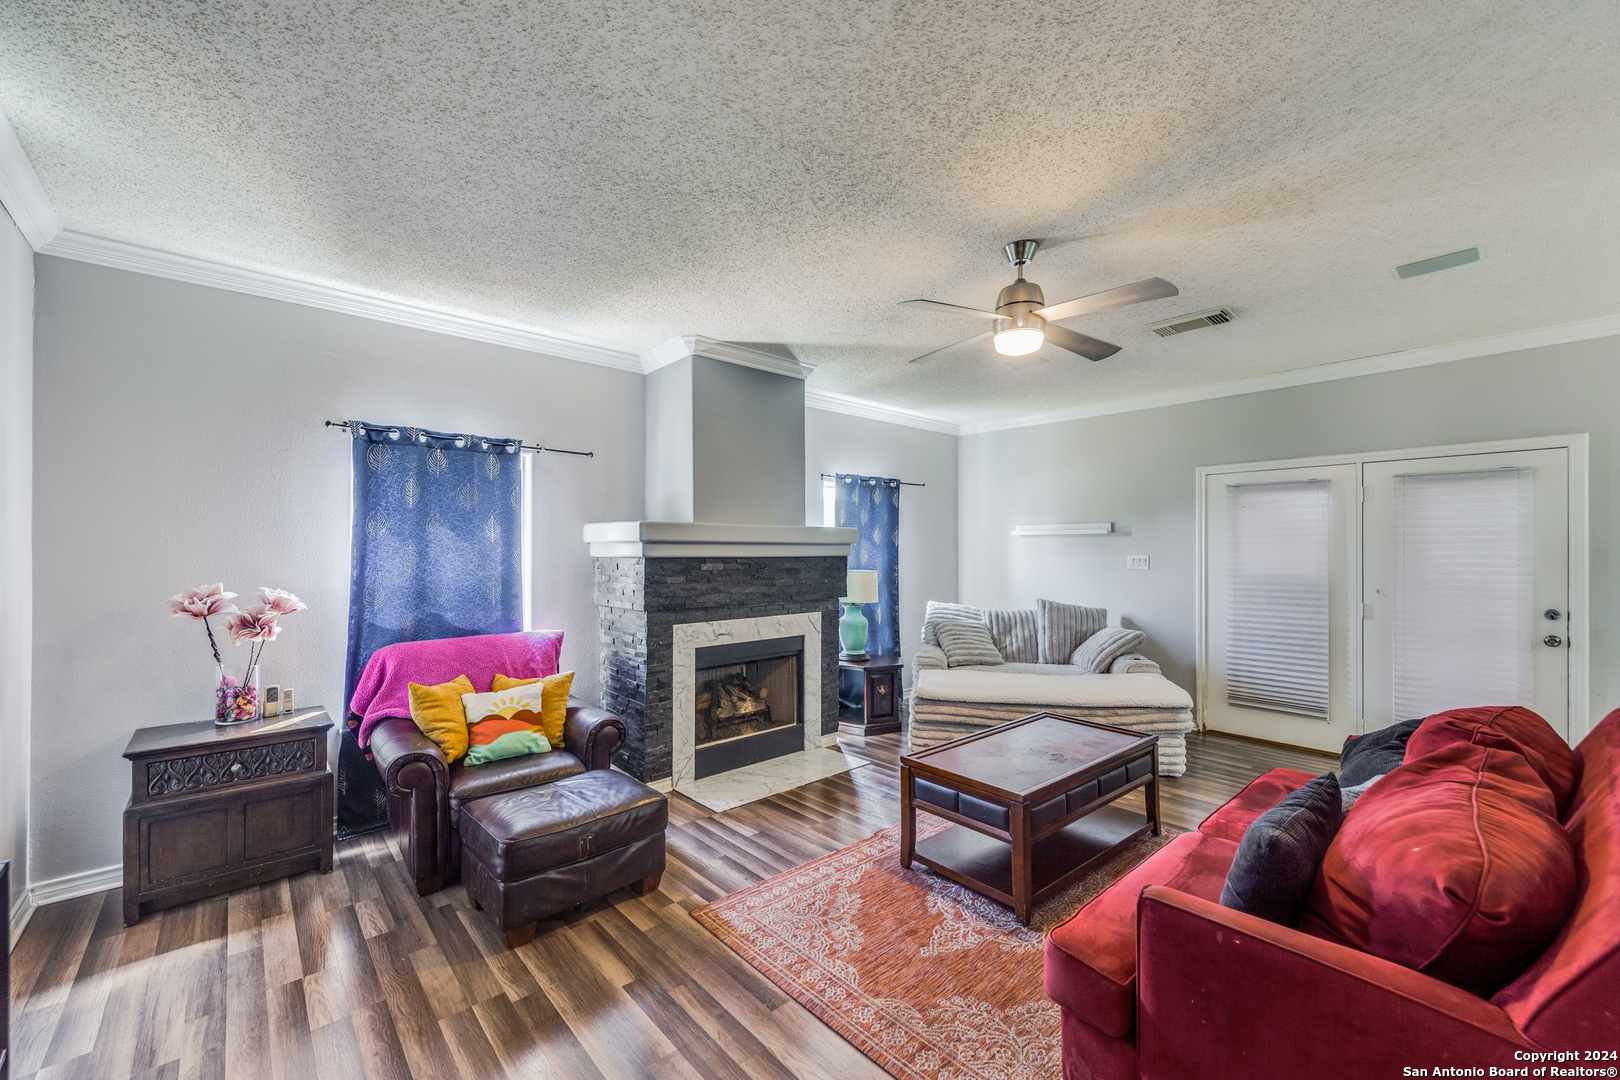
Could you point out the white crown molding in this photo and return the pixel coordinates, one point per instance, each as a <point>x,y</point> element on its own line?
<point>70,886</point>
<point>1584,330</point>
<point>21,192</point>
<point>143,260</point>
<point>679,348</point>
<point>871,410</point>
<point>21,911</point>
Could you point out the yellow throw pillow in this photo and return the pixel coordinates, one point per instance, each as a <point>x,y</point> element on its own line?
<point>437,711</point>
<point>554,703</point>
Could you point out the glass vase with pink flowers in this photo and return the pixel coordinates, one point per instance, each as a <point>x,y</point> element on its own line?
<point>236,701</point>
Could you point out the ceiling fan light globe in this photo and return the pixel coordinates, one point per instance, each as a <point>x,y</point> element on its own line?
<point>1019,341</point>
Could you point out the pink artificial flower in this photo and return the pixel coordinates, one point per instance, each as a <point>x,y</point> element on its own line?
<point>201,602</point>
<point>280,601</point>
<point>257,623</point>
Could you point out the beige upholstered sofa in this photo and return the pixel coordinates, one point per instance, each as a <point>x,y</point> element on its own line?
<point>949,702</point>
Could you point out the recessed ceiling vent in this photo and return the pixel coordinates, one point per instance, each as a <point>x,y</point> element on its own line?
<point>1183,323</point>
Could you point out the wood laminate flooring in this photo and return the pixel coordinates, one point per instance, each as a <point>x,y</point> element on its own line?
<point>350,975</point>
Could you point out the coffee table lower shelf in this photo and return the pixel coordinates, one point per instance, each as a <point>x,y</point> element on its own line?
<point>984,863</point>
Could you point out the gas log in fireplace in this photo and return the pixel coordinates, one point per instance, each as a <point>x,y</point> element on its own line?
<point>749,703</point>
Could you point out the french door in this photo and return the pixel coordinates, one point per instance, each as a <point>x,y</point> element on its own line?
<point>1466,585</point>
<point>1342,595</point>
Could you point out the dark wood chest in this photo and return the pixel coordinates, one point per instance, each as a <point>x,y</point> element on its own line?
<point>214,809</point>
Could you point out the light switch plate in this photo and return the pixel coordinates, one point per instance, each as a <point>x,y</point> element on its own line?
<point>1136,562</point>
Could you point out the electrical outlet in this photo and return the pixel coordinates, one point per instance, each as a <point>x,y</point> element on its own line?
<point>1136,562</point>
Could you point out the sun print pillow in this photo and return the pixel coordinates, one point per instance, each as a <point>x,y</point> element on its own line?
<point>502,712</point>
<point>554,710</point>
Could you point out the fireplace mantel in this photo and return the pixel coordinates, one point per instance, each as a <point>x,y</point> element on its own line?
<point>704,540</point>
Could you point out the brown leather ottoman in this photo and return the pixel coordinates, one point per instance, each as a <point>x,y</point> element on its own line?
<point>531,853</point>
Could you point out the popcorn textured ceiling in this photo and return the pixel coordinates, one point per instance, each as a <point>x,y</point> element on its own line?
<point>622,171</point>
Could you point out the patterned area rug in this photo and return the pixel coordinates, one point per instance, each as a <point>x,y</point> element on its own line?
<point>930,980</point>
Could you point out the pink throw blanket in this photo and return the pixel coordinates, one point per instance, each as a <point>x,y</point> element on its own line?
<point>384,687</point>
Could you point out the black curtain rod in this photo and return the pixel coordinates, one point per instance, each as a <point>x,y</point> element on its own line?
<point>903,483</point>
<point>350,424</point>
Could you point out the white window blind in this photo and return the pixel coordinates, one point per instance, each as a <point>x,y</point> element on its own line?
<point>1464,590</point>
<point>1277,597</point>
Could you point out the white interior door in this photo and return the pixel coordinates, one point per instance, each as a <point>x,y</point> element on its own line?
<point>1281,591</point>
<point>1466,585</point>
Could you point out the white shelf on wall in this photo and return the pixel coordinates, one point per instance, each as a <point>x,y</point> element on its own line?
<point>1088,528</point>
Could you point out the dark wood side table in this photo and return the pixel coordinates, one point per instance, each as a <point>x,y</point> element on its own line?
<point>213,809</point>
<point>1031,801</point>
<point>880,711</point>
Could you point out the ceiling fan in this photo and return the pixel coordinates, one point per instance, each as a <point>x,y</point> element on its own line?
<point>1024,321</point>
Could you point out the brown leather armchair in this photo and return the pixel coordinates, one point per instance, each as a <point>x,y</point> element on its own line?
<point>425,792</point>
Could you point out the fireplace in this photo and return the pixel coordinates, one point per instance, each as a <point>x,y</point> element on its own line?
<point>722,561</point>
<point>749,703</point>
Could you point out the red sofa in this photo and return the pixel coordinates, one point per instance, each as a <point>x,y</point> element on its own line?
<point>1156,980</point>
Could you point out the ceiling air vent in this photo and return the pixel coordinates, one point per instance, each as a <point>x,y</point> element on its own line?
<point>1183,323</point>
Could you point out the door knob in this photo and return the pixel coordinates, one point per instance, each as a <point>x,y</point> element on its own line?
<point>1552,641</point>
<point>1552,614</point>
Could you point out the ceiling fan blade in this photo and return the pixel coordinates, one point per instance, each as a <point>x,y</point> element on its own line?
<point>1088,347</point>
<point>953,348</point>
<point>1154,288</point>
<point>957,308</point>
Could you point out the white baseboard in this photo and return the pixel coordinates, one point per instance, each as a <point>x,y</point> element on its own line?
<point>830,741</point>
<point>69,886</point>
<point>666,785</point>
<point>21,911</point>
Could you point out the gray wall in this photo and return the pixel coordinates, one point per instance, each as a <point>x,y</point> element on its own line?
<point>837,443</point>
<point>180,442</point>
<point>1136,469</point>
<point>16,537</point>
<point>668,397</point>
<point>747,444</point>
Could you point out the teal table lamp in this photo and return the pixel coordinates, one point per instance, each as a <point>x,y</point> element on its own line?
<point>862,586</point>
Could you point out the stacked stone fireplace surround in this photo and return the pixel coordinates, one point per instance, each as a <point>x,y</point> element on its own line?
<point>641,600</point>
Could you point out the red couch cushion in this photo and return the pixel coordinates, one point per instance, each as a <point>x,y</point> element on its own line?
<point>1234,817</point>
<point>1513,728</point>
<point>1453,864</point>
<point>1091,959</point>
<point>1571,995</point>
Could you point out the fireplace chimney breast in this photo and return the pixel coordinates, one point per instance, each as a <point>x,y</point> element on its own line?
<point>724,433</point>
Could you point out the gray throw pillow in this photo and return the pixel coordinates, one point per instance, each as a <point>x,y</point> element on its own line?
<point>1064,627</point>
<point>938,609</point>
<point>1098,652</point>
<point>1280,853</point>
<point>1349,795</point>
<point>1015,633</point>
<point>966,644</point>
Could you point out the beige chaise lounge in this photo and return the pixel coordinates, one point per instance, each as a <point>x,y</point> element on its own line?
<point>947,703</point>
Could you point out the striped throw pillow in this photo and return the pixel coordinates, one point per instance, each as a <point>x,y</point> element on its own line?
<point>1099,651</point>
<point>938,609</point>
<point>966,644</point>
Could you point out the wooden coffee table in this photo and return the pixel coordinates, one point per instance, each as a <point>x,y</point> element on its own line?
<point>1031,801</point>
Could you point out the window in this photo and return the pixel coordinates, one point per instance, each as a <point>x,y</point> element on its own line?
<point>526,460</point>
<point>1277,597</point>
<point>1464,597</point>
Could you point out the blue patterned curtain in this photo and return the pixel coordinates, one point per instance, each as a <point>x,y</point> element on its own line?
<point>438,543</point>
<point>871,505</point>
<point>437,552</point>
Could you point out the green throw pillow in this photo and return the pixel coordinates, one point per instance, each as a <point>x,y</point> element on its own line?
<point>512,744</point>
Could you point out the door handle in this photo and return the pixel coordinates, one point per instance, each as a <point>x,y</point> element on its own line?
<point>1552,641</point>
<point>1552,614</point>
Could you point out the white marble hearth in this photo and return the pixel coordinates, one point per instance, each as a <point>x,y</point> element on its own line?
<point>767,778</point>
<point>726,790</point>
